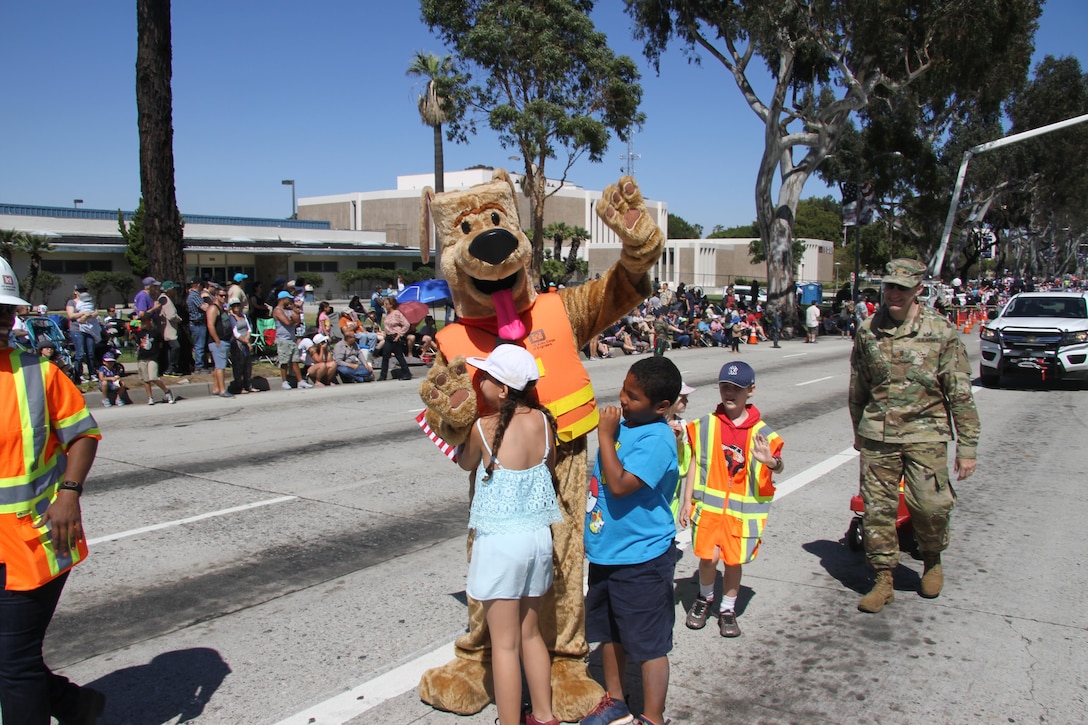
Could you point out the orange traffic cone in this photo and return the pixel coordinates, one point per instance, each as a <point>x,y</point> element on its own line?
<point>753,340</point>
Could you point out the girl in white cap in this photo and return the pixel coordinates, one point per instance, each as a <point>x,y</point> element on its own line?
<point>512,452</point>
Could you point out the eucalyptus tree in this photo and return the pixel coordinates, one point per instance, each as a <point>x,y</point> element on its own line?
<point>541,76</point>
<point>1047,215</point>
<point>827,61</point>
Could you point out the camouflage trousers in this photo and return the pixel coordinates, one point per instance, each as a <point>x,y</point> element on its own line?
<point>928,493</point>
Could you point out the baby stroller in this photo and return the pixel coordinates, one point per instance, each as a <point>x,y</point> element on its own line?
<point>855,535</point>
<point>46,328</point>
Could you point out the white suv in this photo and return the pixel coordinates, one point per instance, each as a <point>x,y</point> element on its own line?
<point>1045,333</point>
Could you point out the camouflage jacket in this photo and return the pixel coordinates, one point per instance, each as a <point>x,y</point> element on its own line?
<point>911,382</point>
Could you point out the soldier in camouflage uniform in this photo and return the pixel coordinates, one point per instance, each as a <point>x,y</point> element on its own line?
<point>909,383</point>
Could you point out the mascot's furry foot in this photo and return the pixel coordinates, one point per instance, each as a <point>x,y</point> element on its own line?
<point>574,692</point>
<point>451,402</point>
<point>460,686</point>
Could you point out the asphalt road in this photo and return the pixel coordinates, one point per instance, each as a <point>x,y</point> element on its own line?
<point>299,556</point>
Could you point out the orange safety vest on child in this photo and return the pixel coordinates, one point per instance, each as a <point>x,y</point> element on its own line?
<point>732,496</point>
<point>41,413</point>
<point>564,385</point>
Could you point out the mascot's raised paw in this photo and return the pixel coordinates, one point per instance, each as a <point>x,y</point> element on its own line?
<point>622,208</point>
<point>451,402</point>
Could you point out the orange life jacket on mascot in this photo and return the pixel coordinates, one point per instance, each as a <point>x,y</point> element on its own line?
<point>564,385</point>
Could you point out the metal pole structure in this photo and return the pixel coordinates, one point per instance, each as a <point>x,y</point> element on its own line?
<point>937,263</point>
<point>291,183</point>
<point>76,203</point>
<point>857,262</point>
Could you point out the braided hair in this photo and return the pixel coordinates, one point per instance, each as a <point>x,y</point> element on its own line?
<point>529,399</point>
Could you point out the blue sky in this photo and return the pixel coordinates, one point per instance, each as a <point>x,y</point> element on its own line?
<point>316,92</point>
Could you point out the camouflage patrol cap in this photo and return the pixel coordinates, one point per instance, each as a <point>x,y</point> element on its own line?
<point>904,272</point>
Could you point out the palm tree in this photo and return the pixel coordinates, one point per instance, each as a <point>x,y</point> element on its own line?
<point>432,103</point>
<point>35,245</point>
<point>162,224</point>
<point>10,240</point>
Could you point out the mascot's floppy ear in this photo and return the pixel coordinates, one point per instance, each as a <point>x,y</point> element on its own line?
<point>426,224</point>
<point>504,175</point>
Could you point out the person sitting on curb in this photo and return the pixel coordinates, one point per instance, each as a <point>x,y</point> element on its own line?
<point>349,359</point>
<point>114,390</point>
<point>317,356</point>
<point>48,349</point>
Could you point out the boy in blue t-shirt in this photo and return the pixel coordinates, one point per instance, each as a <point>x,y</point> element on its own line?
<point>629,540</point>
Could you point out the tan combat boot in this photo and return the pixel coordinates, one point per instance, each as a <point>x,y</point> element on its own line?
<point>882,593</point>
<point>932,577</point>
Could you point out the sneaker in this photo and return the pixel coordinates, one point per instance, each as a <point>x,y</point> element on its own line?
<point>727,624</point>
<point>120,403</point>
<point>643,720</point>
<point>226,394</point>
<point>106,403</point>
<point>698,614</point>
<point>305,384</point>
<point>170,398</point>
<point>609,712</point>
<point>286,385</point>
<point>150,401</point>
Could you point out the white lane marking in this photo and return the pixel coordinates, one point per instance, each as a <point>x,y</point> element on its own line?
<point>809,475</point>
<point>396,682</point>
<point>796,354</point>
<point>356,701</point>
<point>189,520</point>
<point>817,380</point>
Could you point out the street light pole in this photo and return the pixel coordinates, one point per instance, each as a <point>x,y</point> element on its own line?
<point>291,183</point>
<point>76,203</point>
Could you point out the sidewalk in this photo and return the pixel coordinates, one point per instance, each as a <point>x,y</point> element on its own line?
<point>200,386</point>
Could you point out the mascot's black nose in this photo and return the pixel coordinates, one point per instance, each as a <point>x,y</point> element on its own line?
<point>493,246</point>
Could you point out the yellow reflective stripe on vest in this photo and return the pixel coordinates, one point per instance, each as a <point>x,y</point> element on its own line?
<point>21,493</point>
<point>587,421</point>
<point>738,503</point>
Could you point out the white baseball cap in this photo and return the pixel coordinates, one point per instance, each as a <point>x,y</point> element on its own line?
<point>509,364</point>
<point>9,285</point>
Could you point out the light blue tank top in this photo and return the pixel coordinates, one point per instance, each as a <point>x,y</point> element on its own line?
<point>513,501</point>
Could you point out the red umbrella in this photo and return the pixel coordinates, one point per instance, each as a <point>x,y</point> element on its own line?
<point>414,311</point>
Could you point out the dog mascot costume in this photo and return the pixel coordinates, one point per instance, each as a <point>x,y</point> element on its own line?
<point>485,257</point>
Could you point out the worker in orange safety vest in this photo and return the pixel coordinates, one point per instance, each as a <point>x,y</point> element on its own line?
<point>47,446</point>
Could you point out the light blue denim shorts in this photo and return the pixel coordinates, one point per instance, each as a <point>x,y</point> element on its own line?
<point>510,566</point>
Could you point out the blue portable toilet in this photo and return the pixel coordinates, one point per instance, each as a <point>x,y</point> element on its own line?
<point>810,292</point>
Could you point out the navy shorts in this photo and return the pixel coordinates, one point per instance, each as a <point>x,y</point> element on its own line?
<point>633,605</point>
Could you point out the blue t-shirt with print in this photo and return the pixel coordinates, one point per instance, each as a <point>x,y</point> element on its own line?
<point>637,527</point>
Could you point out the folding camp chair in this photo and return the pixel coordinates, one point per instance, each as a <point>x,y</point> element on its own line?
<point>263,341</point>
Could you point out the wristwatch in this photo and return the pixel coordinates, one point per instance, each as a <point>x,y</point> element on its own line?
<point>71,486</point>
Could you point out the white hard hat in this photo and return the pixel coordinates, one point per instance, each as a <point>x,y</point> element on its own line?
<point>9,286</point>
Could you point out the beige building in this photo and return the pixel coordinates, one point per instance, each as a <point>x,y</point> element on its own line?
<point>711,264</point>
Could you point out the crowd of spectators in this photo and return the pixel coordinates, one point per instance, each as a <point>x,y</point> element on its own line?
<point>232,323</point>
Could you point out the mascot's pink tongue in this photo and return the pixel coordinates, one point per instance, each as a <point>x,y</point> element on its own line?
<point>510,326</point>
